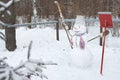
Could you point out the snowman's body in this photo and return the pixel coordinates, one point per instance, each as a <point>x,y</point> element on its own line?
<point>80,56</point>
<point>79,39</point>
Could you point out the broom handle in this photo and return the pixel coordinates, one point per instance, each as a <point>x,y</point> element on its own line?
<point>63,23</point>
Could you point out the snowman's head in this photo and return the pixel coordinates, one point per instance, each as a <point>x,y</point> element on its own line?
<point>79,24</point>
<point>81,29</point>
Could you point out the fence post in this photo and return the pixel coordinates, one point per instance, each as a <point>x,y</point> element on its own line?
<point>101,37</point>
<point>57,29</point>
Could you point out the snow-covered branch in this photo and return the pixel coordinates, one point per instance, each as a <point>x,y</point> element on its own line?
<point>5,5</point>
<point>2,36</point>
<point>2,59</point>
<point>25,70</point>
<point>31,67</point>
<point>2,23</point>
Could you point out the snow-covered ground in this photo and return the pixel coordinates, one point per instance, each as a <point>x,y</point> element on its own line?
<point>46,47</point>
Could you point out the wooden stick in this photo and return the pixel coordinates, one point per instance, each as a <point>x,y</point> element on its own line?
<point>106,32</point>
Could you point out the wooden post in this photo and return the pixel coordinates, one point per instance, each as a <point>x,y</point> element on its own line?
<point>57,30</point>
<point>101,37</point>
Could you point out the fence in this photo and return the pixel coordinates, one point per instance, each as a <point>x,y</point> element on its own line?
<point>52,22</point>
<point>114,31</point>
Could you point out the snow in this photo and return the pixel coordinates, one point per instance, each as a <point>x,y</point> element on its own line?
<point>72,64</point>
<point>104,12</point>
<point>81,58</point>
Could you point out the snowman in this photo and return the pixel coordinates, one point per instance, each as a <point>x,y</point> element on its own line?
<point>80,54</point>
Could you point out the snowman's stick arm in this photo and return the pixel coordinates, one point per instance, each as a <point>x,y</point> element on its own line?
<point>94,38</point>
<point>100,35</point>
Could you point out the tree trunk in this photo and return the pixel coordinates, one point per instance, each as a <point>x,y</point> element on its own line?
<point>10,32</point>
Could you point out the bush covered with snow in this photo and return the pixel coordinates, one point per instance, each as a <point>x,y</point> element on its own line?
<point>24,70</point>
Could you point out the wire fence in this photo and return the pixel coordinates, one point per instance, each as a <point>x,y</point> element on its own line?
<point>70,22</point>
<point>52,22</point>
